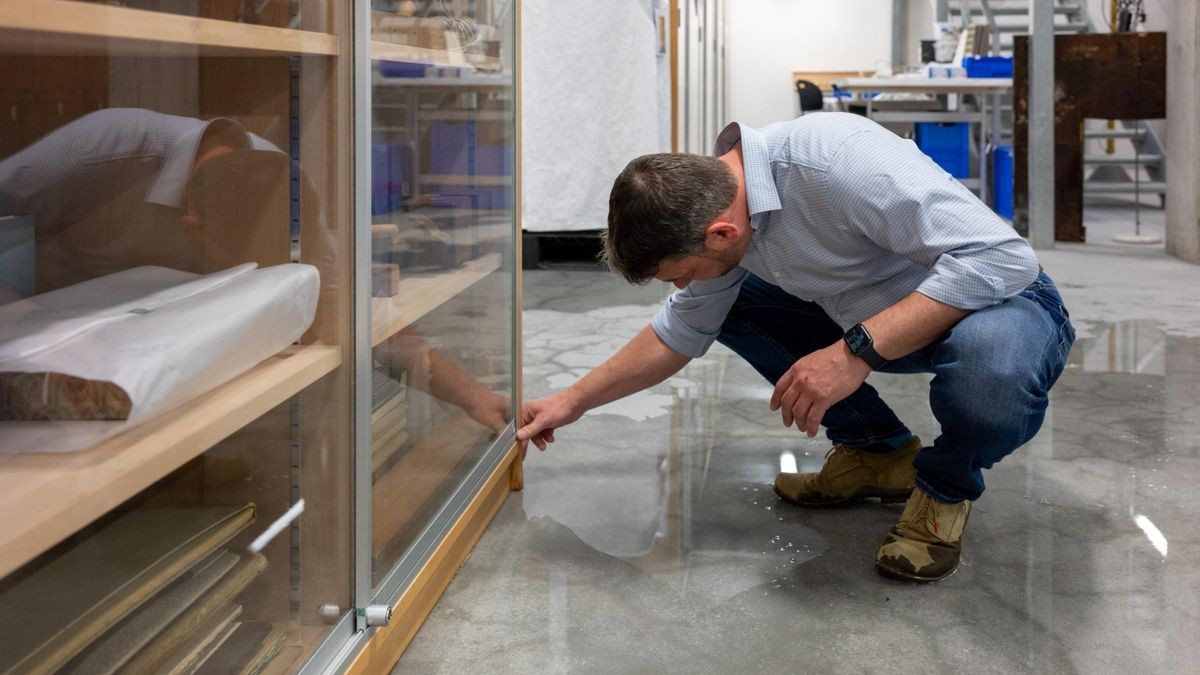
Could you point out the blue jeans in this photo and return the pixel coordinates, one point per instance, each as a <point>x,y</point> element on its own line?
<point>992,376</point>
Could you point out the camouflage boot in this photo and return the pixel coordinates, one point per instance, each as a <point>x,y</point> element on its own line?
<point>925,545</point>
<point>849,476</point>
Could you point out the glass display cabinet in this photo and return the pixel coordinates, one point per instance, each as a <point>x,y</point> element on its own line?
<point>258,326</point>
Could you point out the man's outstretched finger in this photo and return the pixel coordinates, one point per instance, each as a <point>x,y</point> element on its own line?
<point>815,415</point>
<point>780,388</point>
<point>788,403</point>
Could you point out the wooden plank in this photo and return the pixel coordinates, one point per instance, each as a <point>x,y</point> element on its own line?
<point>465,180</point>
<point>825,79</point>
<point>516,476</point>
<point>420,295</point>
<point>387,644</point>
<point>390,51</point>
<point>44,498</point>
<point>64,27</point>
<point>673,45</point>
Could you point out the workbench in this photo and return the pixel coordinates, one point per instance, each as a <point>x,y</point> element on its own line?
<point>982,88</point>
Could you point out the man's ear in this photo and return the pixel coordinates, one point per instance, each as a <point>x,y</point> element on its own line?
<point>721,234</point>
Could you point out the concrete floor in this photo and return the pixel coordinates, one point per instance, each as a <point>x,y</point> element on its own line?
<point>648,538</point>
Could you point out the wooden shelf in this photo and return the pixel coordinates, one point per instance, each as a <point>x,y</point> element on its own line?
<point>420,295</point>
<point>390,51</point>
<point>84,28</point>
<point>474,81</point>
<point>44,498</point>
<point>465,180</point>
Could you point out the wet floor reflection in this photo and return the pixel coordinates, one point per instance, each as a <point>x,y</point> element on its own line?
<point>649,539</point>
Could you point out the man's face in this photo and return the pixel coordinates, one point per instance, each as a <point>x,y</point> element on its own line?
<point>705,265</point>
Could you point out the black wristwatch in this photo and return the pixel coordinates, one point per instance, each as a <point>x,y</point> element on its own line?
<point>861,345</point>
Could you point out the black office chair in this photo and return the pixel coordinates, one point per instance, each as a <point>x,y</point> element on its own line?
<point>810,96</point>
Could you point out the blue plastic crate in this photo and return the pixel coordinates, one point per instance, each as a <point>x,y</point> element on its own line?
<point>988,66</point>
<point>948,144</point>
<point>390,181</point>
<point>402,69</point>
<point>1002,180</point>
<point>455,149</point>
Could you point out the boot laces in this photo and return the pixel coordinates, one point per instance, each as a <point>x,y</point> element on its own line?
<point>838,447</point>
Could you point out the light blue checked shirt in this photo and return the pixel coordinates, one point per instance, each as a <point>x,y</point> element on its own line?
<point>852,217</point>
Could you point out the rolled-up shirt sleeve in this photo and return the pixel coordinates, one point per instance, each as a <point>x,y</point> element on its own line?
<point>691,318</point>
<point>903,202</point>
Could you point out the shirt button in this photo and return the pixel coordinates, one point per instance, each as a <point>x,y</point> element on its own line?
<point>778,275</point>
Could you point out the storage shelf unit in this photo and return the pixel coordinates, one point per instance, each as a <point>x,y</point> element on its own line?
<point>44,498</point>
<point>292,426</point>
<point>64,26</point>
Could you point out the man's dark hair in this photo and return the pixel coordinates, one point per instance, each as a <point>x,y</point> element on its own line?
<point>659,209</point>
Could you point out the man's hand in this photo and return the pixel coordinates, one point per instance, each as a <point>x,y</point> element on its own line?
<point>816,382</point>
<point>542,416</point>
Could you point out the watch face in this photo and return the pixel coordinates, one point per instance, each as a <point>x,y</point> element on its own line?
<point>857,339</point>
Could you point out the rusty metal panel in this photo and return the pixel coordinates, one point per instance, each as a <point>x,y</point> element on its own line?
<point>1113,76</point>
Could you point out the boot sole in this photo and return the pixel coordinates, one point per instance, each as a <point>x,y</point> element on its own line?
<point>901,576</point>
<point>860,495</point>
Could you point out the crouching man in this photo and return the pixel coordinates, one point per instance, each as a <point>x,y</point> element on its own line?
<point>821,250</point>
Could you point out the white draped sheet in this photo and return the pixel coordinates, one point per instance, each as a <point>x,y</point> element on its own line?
<point>593,70</point>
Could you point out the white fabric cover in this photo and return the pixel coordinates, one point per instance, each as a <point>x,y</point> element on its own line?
<point>596,66</point>
<point>162,335</point>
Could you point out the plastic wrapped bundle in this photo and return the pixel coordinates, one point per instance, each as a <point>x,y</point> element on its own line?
<point>160,336</point>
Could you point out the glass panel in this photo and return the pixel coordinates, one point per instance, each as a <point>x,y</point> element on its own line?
<point>174,331</point>
<point>442,207</point>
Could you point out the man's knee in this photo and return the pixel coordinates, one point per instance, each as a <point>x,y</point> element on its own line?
<point>991,370</point>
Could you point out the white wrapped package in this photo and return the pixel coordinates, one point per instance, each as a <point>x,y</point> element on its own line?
<point>162,335</point>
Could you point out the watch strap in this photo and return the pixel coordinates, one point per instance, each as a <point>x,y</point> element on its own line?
<point>872,357</point>
<point>866,349</point>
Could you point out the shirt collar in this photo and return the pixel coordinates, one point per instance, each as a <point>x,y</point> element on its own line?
<point>171,183</point>
<point>761,193</point>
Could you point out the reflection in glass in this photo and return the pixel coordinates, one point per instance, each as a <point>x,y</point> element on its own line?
<point>442,206</point>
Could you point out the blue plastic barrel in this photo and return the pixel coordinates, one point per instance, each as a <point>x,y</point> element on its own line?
<point>1002,180</point>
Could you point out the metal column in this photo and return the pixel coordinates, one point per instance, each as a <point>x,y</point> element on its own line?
<point>1041,124</point>
<point>897,34</point>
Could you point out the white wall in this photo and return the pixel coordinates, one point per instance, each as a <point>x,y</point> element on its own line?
<point>768,39</point>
